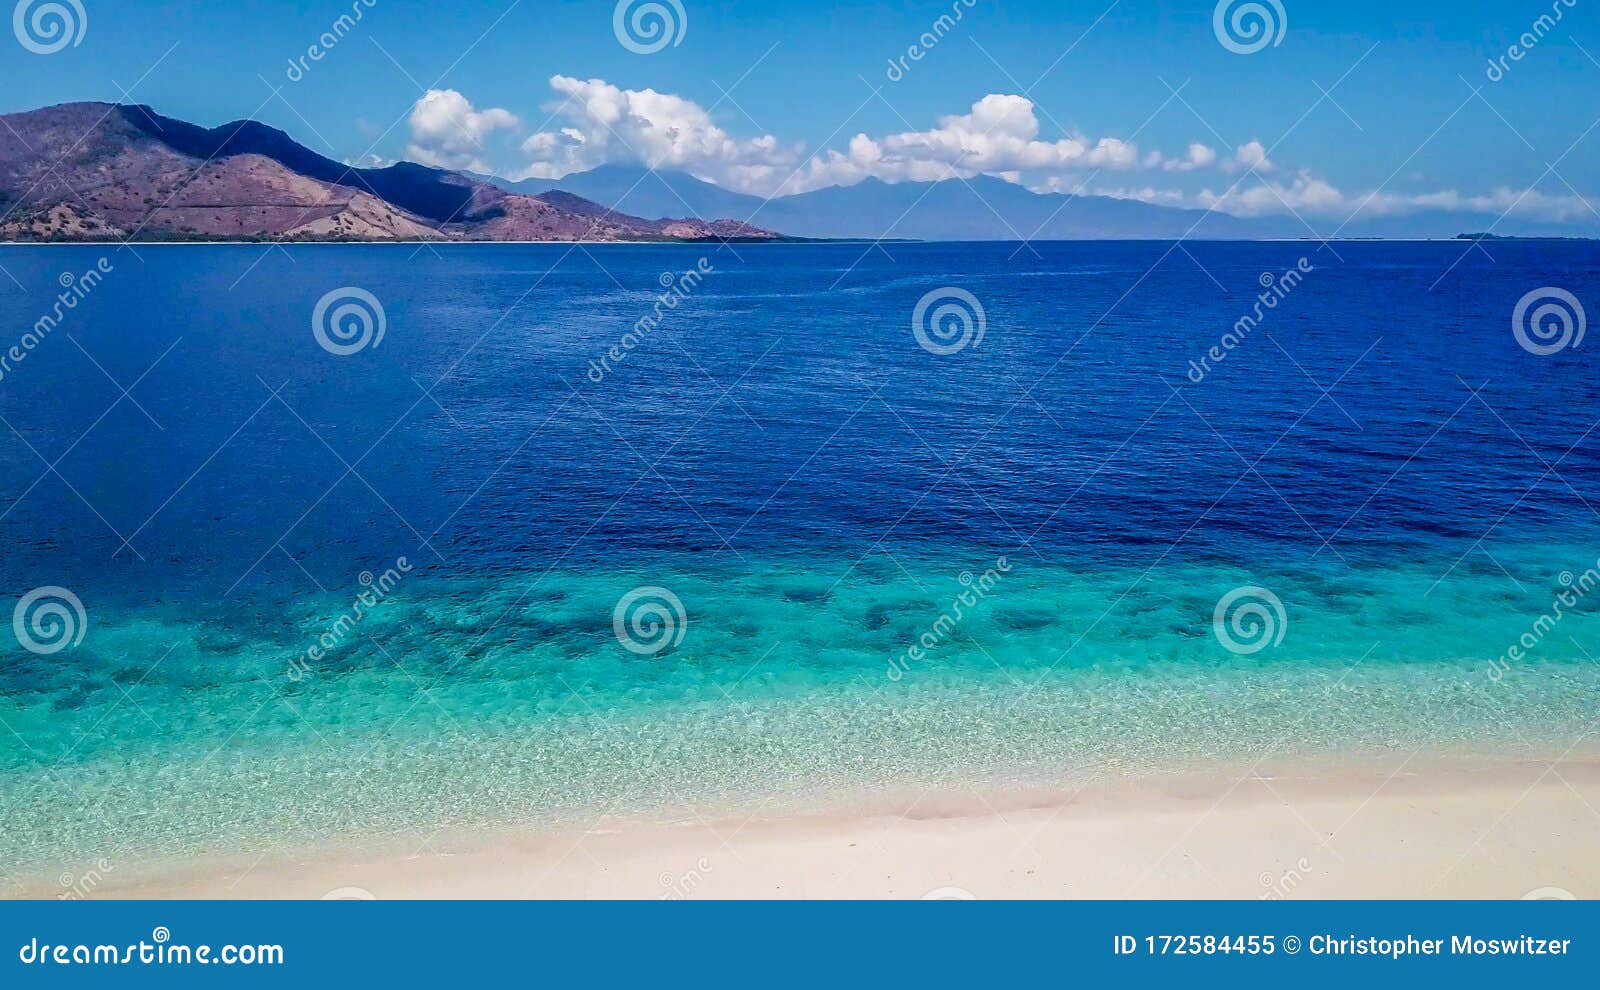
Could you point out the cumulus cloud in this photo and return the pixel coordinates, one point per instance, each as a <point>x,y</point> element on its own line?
<point>1253,156</point>
<point>597,123</point>
<point>448,132</point>
<point>1197,156</point>
<point>591,122</point>
<point>604,124</point>
<point>999,135</point>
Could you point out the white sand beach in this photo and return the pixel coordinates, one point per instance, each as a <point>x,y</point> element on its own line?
<point>1398,828</point>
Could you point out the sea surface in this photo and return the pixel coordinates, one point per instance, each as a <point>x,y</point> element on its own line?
<point>484,572</point>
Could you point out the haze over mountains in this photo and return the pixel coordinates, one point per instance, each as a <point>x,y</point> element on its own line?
<point>980,208</point>
<point>99,171</point>
<point>986,208</point>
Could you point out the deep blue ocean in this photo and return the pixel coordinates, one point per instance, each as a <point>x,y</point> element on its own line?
<point>316,593</point>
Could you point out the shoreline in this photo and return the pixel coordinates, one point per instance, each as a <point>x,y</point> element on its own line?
<point>799,242</point>
<point>1453,825</point>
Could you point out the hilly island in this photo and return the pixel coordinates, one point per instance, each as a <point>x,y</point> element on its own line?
<point>119,172</point>
<point>103,172</point>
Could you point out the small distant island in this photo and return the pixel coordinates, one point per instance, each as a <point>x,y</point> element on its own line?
<point>1517,237</point>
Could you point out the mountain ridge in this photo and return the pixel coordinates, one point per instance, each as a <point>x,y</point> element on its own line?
<point>979,208</point>
<point>989,208</point>
<point>102,171</point>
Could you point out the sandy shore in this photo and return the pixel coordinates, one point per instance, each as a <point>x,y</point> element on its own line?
<point>1393,829</point>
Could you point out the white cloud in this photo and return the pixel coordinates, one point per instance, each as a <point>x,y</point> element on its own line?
<point>604,123</point>
<point>1534,204</point>
<point>447,132</point>
<point>592,122</point>
<point>998,135</point>
<point>1147,194</point>
<point>1253,156</point>
<point>1306,194</point>
<point>597,123</point>
<point>1197,156</point>
<point>369,161</point>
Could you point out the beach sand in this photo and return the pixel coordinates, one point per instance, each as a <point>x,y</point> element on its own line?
<point>1387,828</point>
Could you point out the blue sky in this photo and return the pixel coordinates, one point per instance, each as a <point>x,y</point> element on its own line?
<point>759,93</point>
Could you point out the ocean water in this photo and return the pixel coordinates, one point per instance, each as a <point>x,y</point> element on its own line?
<point>483,572</point>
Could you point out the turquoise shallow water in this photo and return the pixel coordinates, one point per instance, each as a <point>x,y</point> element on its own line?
<point>1383,484</point>
<point>461,703</point>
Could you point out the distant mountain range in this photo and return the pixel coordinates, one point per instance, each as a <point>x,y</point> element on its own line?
<point>99,171</point>
<point>983,208</point>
